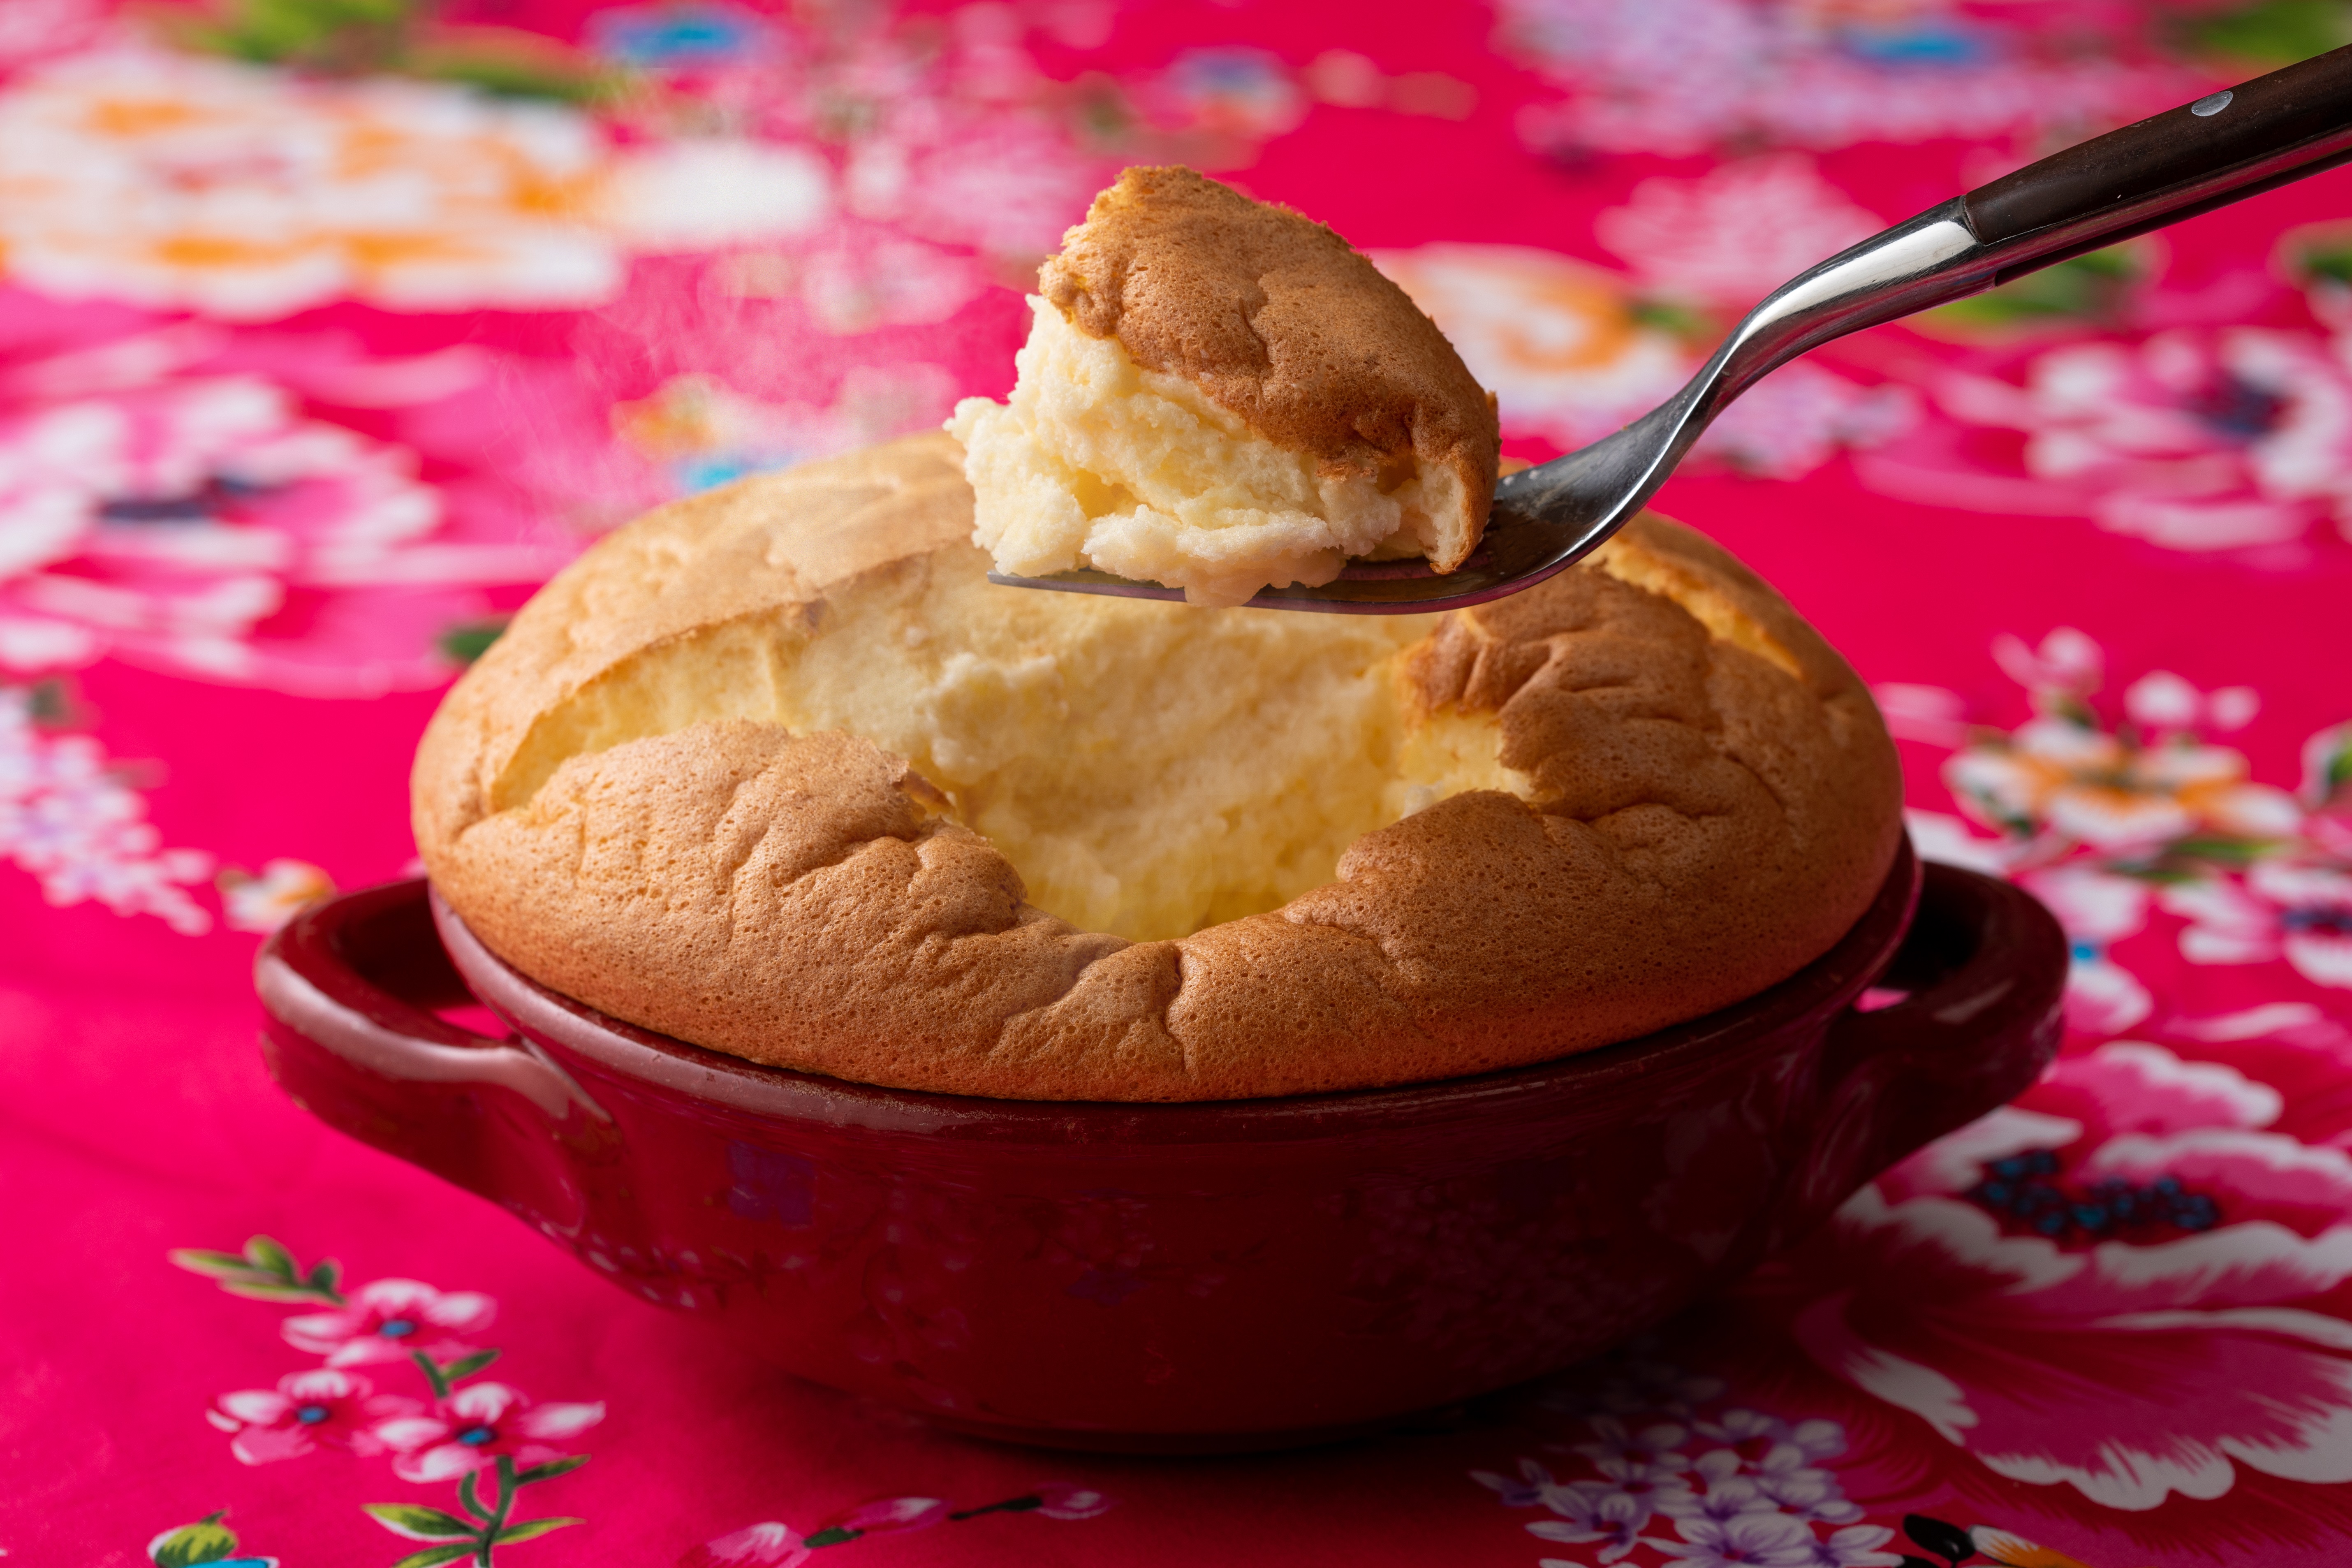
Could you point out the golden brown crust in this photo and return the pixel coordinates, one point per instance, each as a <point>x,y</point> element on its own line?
<point>765,548</point>
<point>1715,801</point>
<point>1279,321</point>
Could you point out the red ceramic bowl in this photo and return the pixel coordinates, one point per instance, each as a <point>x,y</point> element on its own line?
<point>1172,1278</point>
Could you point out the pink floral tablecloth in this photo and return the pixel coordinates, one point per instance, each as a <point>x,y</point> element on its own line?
<point>328,328</point>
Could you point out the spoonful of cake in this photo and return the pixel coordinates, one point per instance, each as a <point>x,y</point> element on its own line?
<point>1221,401</point>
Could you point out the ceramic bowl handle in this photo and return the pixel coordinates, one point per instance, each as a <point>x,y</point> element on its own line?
<point>349,988</point>
<point>1983,970</point>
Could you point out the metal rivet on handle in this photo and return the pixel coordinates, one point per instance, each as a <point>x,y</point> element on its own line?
<point>2205,107</point>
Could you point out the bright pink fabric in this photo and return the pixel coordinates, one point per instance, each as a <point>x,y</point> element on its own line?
<point>2091,543</point>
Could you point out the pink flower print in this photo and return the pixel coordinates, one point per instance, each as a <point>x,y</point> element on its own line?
<point>2066,660</point>
<point>2327,790</point>
<point>2330,828</point>
<point>181,509</point>
<point>1049,1499</point>
<point>894,1513</point>
<point>1591,1514</point>
<point>1939,836</point>
<point>1067,1499</point>
<point>1935,714</point>
<point>1797,418</point>
<point>2126,1087</point>
<point>2301,911</point>
<point>2064,778</point>
<point>474,1426</point>
<point>998,184</point>
<point>2165,1291</point>
<point>390,1320</point>
<point>2194,439</point>
<point>1737,233</point>
<point>765,1545</point>
<point>1743,1540</point>
<point>2181,1360</point>
<point>307,1410</point>
<point>883,1517</point>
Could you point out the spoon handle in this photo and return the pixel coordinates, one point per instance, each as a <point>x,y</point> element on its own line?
<point>2221,148</point>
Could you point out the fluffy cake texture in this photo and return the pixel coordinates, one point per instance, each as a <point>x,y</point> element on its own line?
<point>775,771</point>
<point>1221,394</point>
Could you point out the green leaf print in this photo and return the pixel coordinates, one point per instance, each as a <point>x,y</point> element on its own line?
<point>418,1522</point>
<point>206,1541</point>
<point>433,1556</point>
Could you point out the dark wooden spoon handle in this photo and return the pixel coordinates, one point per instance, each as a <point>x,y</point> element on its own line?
<point>2222,147</point>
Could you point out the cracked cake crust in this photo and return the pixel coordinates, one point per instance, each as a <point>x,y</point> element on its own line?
<point>1711,801</point>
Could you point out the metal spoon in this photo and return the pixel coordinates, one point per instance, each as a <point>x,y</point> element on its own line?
<point>2220,149</point>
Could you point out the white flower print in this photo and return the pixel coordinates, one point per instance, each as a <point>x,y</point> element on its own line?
<point>1759,1495</point>
<point>1728,1495</point>
<point>1744,1541</point>
<point>1816,1440</point>
<point>1856,1547</point>
<point>1534,1488</point>
<point>1611,1518</point>
<point>1654,1447</point>
<point>70,818</point>
<point>1652,1485</point>
<point>2161,700</point>
<point>1780,1477</point>
<point>1811,1495</point>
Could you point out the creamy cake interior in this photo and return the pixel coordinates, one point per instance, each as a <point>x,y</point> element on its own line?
<point>1149,769</point>
<point>1094,460</point>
